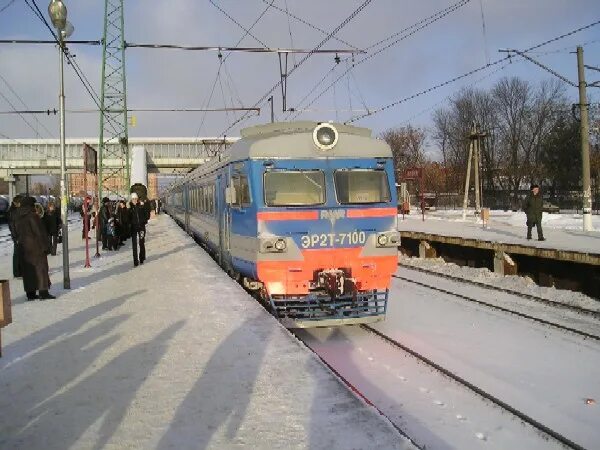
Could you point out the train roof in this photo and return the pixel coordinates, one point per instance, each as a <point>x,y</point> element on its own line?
<point>294,140</point>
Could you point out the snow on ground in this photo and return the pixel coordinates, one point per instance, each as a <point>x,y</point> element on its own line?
<point>435,412</point>
<point>516,283</point>
<point>544,372</point>
<point>586,323</point>
<point>171,354</point>
<point>562,231</point>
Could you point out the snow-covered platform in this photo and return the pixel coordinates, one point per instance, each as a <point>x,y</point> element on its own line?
<point>171,354</point>
<point>506,231</point>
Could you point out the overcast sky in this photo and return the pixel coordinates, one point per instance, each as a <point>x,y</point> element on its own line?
<point>175,78</point>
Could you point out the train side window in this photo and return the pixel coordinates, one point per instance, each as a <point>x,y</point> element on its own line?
<point>202,199</point>
<point>242,191</point>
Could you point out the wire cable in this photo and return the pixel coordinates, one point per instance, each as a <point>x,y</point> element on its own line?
<point>25,105</point>
<point>302,61</point>
<point>224,58</point>
<point>308,24</point>
<point>404,34</point>
<point>469,73</point>
<point>239,24</point>
<point>5,7</point>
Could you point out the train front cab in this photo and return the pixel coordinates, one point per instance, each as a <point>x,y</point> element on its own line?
<point>327,238</point>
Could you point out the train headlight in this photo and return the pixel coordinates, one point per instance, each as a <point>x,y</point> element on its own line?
<point>325,136</point>
<point>382,240</point>
<point>280,245</point>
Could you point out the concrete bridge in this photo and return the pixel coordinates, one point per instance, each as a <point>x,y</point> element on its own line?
<point>171,155</point>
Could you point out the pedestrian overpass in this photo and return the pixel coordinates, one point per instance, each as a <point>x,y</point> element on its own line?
<point>164,155</point>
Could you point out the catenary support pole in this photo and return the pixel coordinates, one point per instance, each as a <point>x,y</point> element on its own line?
<point>475,140</point>
<point>63,172</point>
<point>585,144</point>
<point>467,180</point>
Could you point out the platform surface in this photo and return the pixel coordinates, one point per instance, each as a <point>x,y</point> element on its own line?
<point>171,354</point>
<point>563,232</point>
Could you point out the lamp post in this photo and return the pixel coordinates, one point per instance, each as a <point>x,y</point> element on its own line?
<point>58,14</point>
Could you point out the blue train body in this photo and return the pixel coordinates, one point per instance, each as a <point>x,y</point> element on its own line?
<point>309,226</point>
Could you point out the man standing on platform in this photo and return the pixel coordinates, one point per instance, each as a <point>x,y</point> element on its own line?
<point>53,223</point>
<point>533,208</point>
<point>138,218</point>
<point>104,214</point>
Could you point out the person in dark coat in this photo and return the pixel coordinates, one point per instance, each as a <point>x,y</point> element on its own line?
<point>53,223</point>
<point>105,213</point>
<point>33,245</point>
<point>16,203</point>
<point>122,216</point>
<point>533,208</point>
<point>87,218</point>
<point>138,218</point>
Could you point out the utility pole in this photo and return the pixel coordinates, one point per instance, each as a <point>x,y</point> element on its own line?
<point>585,144</point>
<point>468,177</point>
<point>474,152</point>
<point>270,100</point>
<point>476,167</point>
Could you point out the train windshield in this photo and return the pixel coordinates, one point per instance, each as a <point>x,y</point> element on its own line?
<point>362,186</point>
<point>294,188</point>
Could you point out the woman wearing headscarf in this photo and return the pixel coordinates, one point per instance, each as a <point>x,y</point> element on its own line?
<point>33,245</point>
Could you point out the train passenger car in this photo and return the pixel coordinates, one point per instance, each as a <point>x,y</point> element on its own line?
<point>303,213</point>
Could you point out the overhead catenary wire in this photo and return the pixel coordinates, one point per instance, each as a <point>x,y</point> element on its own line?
<point>5,7</point>
<point>469,73</point>
<point>302,61</point>
<point>248,32</point>
<point>287,10</point>
<point>223,59</point>
<point>403,34</point>
<point>24,104</point>
<point>307,23</point>
<point>88,87</point>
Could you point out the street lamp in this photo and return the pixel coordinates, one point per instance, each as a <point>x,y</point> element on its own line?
<point>58,14</point>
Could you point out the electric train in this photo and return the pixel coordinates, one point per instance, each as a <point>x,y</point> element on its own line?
<point>302,213</point>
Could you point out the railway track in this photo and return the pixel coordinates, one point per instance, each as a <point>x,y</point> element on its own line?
<point>467,298</point>
<point>535,298</point>
<point>486,395</point>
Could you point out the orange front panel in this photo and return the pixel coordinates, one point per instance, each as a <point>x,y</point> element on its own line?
<point>293,277</point>
<point>287,215</point>
<point>371,212</point>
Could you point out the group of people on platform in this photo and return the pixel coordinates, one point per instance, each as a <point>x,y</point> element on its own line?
<point>119,221</point>
<point>35,233</point>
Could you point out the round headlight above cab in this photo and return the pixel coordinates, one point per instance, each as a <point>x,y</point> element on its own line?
<point>325,136</point>
<point>382,239</point>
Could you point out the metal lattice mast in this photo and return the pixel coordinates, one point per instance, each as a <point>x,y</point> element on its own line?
<point>113,155</point>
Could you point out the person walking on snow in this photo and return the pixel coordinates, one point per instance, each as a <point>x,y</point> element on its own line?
<point>138,218</point>
<point>533,209</point>
<point>33,242</point>
<point>12,214</point>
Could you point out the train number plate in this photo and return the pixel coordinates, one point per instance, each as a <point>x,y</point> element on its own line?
<point>333,239</point>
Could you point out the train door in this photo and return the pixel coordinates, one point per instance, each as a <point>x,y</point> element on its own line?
<point>224,219</point>
<point>186,207</point>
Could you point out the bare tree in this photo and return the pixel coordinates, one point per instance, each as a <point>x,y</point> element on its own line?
<point>407,147</point>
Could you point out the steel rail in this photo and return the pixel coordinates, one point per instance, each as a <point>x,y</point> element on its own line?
<point>481,284</point>
<point>501,308</point>
<point>486,395</point>
<point>348,384</point>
